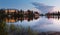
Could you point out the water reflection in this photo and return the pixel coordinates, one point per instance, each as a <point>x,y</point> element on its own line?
<point>47,24</point>
<point>54,17</point>
<point>40,22</point>
<point>11,20</point>
<point>15,19</point>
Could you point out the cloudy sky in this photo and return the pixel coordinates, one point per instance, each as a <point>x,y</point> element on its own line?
<point>22,4</point>
<point>27,4</point>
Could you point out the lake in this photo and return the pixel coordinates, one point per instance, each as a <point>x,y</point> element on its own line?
<point>42,24</point>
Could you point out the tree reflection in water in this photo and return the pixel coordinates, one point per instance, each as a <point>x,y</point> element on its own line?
<point>14,15</point>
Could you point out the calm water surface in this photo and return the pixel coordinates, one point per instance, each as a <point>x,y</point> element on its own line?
<point>41,24</point>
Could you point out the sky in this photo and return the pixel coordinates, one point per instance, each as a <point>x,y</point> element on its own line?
<point>26,4</point>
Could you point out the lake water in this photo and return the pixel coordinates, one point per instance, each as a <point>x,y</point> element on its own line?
<point>42,24</point>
